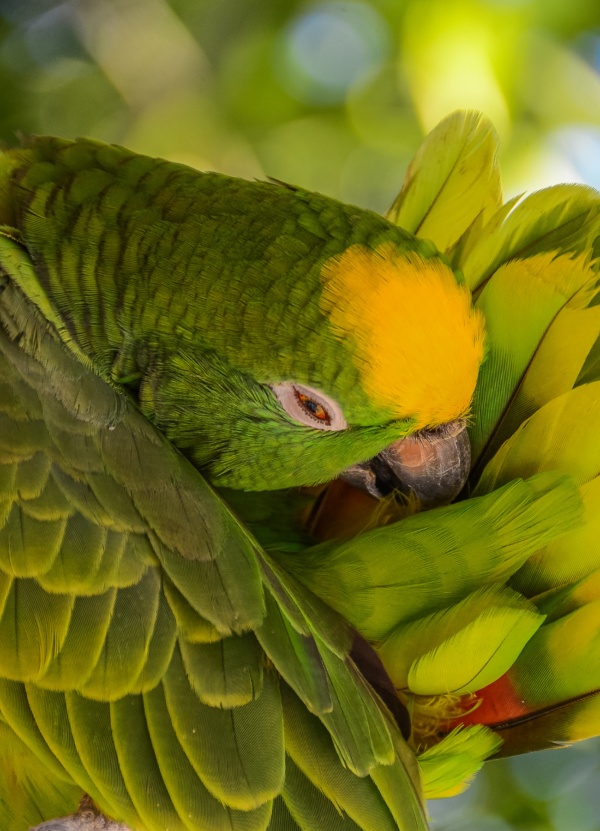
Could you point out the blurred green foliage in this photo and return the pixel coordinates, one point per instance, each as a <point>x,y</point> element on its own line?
<point>556,790</point>
<point>335,96</point>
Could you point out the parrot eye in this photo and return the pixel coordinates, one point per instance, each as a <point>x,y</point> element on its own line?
<point>309,407</point>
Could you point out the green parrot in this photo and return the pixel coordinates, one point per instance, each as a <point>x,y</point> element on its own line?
<point>194,632</point>
<point>163,329</point>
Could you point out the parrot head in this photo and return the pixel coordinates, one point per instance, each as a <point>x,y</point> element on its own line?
<point>278,337</point>
<point>365,370</point>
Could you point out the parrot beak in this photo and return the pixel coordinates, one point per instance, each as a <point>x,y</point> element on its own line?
<point>434,464</point>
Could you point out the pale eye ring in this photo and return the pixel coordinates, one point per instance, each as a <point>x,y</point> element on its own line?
<point>309,406</point>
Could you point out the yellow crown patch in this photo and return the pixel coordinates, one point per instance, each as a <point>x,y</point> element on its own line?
<point>419,342</point>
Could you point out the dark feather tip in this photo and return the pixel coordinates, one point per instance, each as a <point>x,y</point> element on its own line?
<point>372,669</point>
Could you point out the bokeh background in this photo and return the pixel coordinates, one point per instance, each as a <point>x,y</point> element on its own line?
<point>335,96</point>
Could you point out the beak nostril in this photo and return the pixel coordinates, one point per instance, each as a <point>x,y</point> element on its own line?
<point>386,480</point>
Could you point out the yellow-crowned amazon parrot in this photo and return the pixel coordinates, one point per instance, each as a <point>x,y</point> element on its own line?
<point>195,632</point>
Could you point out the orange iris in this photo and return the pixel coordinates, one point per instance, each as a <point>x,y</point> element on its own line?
<point>313,408</point>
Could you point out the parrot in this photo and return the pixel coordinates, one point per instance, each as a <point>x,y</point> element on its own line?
<point>297,504</point>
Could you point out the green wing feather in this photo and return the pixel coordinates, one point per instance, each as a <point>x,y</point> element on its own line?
<point>307,803</point>
<point>297,657</point>
<point>453,181</point>
<point>312,749</point>
<point>442,652</point>
<point>460,754</point>
<point>408,569</point>
<point>138,763</point>
<point>224,674</point>
<point>17,714</point>
<point>29,791</point>
<point>531,292</point>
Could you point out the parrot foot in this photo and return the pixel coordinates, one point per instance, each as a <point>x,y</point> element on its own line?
<point>86,818</point>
